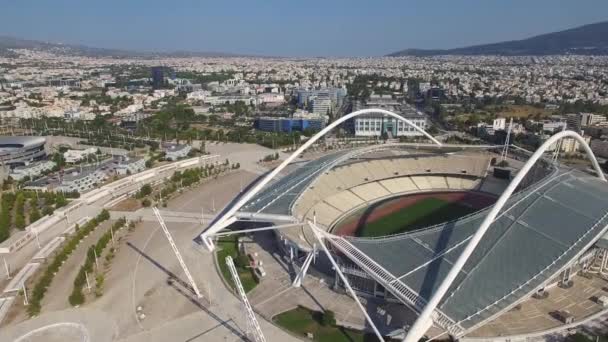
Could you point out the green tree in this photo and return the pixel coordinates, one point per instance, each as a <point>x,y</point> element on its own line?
<point>34,214</point>
<point>76,298</point>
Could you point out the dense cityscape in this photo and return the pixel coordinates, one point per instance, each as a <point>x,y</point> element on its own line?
<point>452,195</point>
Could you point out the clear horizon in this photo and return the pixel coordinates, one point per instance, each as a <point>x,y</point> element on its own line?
<point>304,29</point>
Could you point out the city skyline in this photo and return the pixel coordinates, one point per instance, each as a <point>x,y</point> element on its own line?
<point>284,29</point>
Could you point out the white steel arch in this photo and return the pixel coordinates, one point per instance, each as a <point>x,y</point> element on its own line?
<point>424,320</point>
<point>220,223</point>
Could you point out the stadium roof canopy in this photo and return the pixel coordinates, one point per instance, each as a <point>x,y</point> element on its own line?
<point>15,142</point>
<point>541,230</point>
<point>278,198</point>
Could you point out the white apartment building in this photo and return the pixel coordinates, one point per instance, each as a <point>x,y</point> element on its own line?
<point>229,99</point>
<point>271,98</point>
<point>321,105</point>
<point>32,170</point>
<point>130,165</point>
<point>75,156</point>
<point>590,119</point>
<point>375,124</point>
<point>552,126</point>
<point>499,124</point>
<point>82,181</point>
<point>580,120</point>
<point>568,145</point>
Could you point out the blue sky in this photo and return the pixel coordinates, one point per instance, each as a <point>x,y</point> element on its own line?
<point>291,28</point>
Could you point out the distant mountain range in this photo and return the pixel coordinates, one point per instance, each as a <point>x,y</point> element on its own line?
<point>8,43</point>
<point>583,40</point>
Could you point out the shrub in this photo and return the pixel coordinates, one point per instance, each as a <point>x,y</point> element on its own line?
<point>60,201</point>
<point>34,213</point>
<point>241,261</point>
<point>144,191</point>
<point>328,319</point>
<point>77,297</point>
<point>146,202</point>
<point>47,210</point>
<point>19,210</point>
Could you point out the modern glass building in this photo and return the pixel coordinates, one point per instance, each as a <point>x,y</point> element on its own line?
<point>288,125</point>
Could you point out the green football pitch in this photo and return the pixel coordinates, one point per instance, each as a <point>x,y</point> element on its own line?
<point>424,213</point>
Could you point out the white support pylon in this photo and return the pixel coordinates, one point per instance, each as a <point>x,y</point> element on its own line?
<point>350,290</point>
<point>505,149</point>
<point>297,282</point>
<point>558,147</point>
<point>253,327</point>
<point>176,251</point>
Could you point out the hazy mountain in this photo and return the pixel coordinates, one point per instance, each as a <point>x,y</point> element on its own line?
<point>8,43</point>
<point>583,40</point>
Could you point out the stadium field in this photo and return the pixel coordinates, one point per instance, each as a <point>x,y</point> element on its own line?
<point>423,213</point>
<point>412,212</point>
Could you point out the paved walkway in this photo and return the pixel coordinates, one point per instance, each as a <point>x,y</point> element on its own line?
<point>146,214</point>
<point>56,326</point>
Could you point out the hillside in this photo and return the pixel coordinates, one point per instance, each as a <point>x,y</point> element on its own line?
<point>583,40</point>
<point>9,43</point>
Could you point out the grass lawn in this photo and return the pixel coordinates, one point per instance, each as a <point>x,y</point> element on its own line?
<point>227,247</point>
<point>521,111</point>
<point>301,321</point>
<point>424,213</point>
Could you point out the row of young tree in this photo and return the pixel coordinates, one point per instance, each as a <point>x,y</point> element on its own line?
<point>43,283</point>
<point>14,204</point>
<point>77,297</point>
<point>182,179</point>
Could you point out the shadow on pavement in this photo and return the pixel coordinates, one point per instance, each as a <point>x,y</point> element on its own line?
<point>191,296</point>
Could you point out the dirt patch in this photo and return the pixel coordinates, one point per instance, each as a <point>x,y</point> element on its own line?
<point>349,226</point>
<point>129,204</point>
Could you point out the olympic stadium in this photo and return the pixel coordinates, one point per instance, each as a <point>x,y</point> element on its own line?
<point>20,150</point>
<point>476,251</point>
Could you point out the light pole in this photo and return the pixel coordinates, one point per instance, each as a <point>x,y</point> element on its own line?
<point>8,269</point>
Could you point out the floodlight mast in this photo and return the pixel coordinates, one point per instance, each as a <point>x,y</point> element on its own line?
<point>252,322</point>
<point>176,251</point>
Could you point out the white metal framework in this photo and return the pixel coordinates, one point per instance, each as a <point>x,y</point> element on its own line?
<point>253,327</point>
<point>176,251</point>
<point>300,276</point>
<point>316,231</point>
<point>505,150</point>
<point>422,323</point>
<point>221,222</point>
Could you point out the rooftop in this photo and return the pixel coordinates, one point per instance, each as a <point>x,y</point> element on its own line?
<point>542,229</point>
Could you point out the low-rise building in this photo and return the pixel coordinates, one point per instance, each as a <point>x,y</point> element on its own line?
<point>82,180</point>
<point>174,152</point>
<point>75,156</point>
<point>577,121</point>
<point>554,126</point>
<point>376,124</point>
<point>129,165</point>
<point>288,125</point>
<point>32,170</point>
